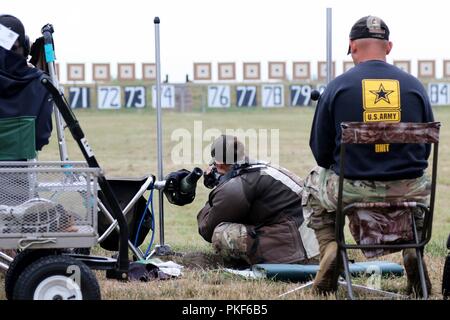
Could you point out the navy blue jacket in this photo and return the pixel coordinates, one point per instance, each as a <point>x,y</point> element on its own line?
<point>21,94</point>
<point>371,91</point>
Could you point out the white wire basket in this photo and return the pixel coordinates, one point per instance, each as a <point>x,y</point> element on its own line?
<point>48,205</point>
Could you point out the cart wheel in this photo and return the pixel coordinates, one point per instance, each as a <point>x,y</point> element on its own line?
<point>20,262</point>
<point>57,278</point>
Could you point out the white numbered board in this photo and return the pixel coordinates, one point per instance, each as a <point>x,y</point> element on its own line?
<point>167,96</point>
<point>134,96</point>
<point>108,97</point>
<point>321,88</point>
<point>219,96</point>
<point>272,95</point>
<point>439,93</point>
<point>79,97</point>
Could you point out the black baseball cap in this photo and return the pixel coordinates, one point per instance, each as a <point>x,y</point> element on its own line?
<point>14,24</point>
<point>369,27</point>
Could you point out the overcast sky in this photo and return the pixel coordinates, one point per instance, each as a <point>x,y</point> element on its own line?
<point>238,31</point>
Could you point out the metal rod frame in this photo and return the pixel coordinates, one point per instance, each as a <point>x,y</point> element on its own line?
<point>47,32</point>
<point>329,45</point>
<point>159,130</point>
<point>418,245</point>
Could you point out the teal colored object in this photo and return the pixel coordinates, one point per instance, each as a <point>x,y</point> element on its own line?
<point>303,273</point>
<point>49,53</point>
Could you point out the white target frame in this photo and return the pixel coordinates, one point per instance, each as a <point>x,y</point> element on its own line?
<point>252,70</point>
<point>347,65</point>
<point>126,71</point>
<point>75,72</point>
<point>404,65</point>
<point>426,69</point>
<point>322,70</point>
<point>149,71</point>
<point>226,71</point>
<point>301,70</point>
<point>101,72</point>
<point>446,71</point>
<point>277,70</point>
<point>202,71</point>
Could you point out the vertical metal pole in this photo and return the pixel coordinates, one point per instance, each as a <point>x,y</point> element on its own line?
<point>63,154</point>
<point>47,32</point>
<point>329,48</point>
<point>159,130</point>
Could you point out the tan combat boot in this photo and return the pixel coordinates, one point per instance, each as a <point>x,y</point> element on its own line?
<point>326,279</point>
<point>412,273</point>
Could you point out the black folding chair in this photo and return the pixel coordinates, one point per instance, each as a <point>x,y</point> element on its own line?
<point>385,133</point>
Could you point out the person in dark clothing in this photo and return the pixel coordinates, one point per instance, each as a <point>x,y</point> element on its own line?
<point>254,213</point>
<point>21,93</point>
<point>371,91</point>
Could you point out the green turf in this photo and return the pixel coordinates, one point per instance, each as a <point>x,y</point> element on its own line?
<point>124,142</point>
<point>125,145</point>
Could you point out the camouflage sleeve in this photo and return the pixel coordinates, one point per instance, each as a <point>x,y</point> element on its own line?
<point>227,204</point>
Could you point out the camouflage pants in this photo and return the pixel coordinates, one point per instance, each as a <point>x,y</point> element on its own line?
<point>321,193</point>
<point>230,241</point>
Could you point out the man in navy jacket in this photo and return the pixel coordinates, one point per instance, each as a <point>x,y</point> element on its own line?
<point>372,91</point>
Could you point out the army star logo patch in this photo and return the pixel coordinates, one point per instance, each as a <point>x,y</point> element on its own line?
<point>381,103</point>
<point>381,94</point>
<point>381,100</point>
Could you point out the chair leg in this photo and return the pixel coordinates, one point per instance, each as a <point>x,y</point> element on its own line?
<point>348,278</point>
<point>420,267</point>
<point>422,274</point>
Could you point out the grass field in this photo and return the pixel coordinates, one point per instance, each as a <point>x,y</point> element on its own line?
<point>125,145</point>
